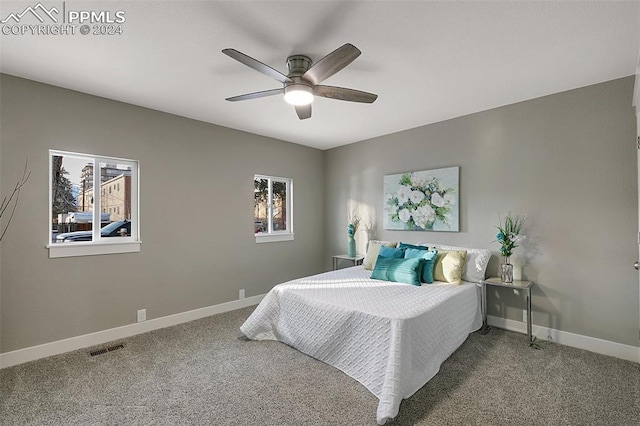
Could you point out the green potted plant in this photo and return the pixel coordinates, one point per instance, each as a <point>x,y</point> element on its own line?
<point>508,236</point>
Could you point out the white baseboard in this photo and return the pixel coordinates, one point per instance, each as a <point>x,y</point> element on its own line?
<point>605,347</point>
<point>20,356</point>
<point>32,353</point>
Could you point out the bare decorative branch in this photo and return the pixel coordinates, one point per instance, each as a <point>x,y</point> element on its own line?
<point>354,221</point>
<point>13,198</point>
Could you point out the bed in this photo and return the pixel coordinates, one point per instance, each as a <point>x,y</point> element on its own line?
<point>391,337</point>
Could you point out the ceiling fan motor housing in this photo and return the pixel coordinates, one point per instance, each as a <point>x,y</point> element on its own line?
<point>298,65</point>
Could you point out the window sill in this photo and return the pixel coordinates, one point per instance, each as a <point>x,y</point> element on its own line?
<point>274,237</point>
<point>92,249</point>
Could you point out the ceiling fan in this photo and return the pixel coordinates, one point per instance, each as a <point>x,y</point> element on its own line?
<point>301,84</point>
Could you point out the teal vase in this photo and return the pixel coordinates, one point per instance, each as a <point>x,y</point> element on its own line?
<point>351,247</point>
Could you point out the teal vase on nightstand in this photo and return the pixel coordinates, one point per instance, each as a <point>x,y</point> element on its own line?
<point>351,245</point>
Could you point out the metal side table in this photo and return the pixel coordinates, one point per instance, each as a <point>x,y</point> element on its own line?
<point>516,284</point>
<point>357,260</point>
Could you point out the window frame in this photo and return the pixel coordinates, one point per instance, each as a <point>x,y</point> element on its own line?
<point>273,235</point>
<point>99,245</point>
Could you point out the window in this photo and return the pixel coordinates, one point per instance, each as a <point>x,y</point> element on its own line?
<point>74,178</point>
<point>273,209</point>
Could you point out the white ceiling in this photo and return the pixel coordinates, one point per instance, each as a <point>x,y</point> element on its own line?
<point>427,61</point>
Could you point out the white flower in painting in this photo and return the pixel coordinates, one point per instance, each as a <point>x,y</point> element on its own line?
<point>423,215</point>
<point>416,196</point>
<point>426,212</point>
<point>388,197</point>
<point>418,179</point>
<point>403,194</point>
<point>421,221</point>
<point>449,199</point>
<point>437,200</point>
<point>404,215</point>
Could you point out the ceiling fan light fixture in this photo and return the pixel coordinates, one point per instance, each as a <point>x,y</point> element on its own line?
<point>298,94</point>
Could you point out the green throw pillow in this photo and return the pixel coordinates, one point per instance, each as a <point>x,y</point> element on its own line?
<point>398,270</point>
<point>428,262</point>
<point>412,246</point>
<point>391,252</point>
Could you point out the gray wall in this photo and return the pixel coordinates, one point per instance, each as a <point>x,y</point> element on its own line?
<point>567,160</point>
<point>196,188</point>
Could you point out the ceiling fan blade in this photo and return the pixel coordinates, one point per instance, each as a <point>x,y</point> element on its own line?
<point>257,65</point>
<point>256,95</point>
<point>344,94</point>
<point>332,63</point>
<point>303,111</point>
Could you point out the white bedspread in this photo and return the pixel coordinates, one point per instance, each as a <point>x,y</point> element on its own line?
<point>390,337</point>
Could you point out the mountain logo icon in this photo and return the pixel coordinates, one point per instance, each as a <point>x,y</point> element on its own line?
<point>39,11</point>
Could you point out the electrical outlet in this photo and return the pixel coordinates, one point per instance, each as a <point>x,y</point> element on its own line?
<point>524,315</point>
<point>142,315</point>
<point>241,295</point>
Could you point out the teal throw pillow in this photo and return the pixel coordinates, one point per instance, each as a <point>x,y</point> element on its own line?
<point>412,246</point>
<point>428,262</point>
<point>398,270</point>
<point>391,252</point>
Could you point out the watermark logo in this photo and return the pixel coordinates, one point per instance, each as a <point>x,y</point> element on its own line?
<point>59,19</point>
<point>38,11</point>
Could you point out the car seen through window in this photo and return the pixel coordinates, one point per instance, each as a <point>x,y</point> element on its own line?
<point>119,228</point>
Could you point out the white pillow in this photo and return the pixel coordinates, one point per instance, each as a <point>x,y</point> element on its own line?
<point>476,264</point>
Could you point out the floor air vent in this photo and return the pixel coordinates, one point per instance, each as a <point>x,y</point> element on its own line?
<point>105,350</point>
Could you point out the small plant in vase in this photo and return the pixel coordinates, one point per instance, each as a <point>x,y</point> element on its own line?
<point>354,223</point>
<point>509,235</point>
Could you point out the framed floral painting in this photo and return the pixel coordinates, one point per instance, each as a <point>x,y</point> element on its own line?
<point>422,201</point>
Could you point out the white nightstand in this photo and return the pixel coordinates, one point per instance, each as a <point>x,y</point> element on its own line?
<point>516,284</point>
<point>357,260</point>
